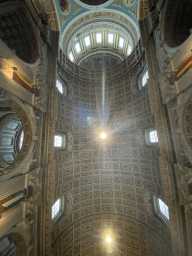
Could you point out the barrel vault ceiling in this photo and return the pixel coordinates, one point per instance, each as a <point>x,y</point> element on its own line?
<point>109,187</point>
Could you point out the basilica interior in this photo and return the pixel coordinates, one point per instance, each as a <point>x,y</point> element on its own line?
<point>96,127</point>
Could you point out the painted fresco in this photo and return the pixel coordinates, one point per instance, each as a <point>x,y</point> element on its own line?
<point>64,6</point>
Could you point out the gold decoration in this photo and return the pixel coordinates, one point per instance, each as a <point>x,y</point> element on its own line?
<point>76,8</point>
<point>134,11</point>
<point>62,20</point>
<point>118,3</point>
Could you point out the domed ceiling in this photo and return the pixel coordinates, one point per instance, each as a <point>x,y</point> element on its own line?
<point>89,28</point>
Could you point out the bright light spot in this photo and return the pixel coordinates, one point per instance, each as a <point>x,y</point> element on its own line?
<point>108,239</point>
<point>88,118</point>
<point>103,135</point>
<point>78,48</point>
<point>110,38</point>
<point>98,37</point>
<point>71,56</point>
<point>87,40</point>
<point>121,42</point>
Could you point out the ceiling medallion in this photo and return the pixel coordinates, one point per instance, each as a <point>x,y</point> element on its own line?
<point>65,6</point>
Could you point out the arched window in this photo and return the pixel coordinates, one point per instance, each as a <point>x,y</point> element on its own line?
<point>144,78</point>
<point>60,141</point>
<point>62,88</point>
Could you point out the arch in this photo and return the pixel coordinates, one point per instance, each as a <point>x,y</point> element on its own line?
<point>90,17</point>
<point>177,22</point>
<point>28,122</point>
<point>15,27</point>
<point>10,133</point>
<point>22,239</point>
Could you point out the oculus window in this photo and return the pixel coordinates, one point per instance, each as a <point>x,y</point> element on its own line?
<point>144,78</point>
<point>77,47</point>
<point>87,40</point>
<point>98,37</point>
<point>110,38</point>
<point>60,141</point>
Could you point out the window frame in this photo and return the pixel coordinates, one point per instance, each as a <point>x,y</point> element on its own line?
<point>158,211</point>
